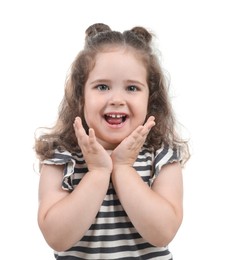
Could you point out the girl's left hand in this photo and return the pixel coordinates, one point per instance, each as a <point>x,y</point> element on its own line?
<point>127,151</point>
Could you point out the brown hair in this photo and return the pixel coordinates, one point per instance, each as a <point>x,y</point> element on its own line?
<point>99,37</point>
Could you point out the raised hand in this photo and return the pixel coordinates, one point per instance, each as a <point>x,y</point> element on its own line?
<point>96,157</point>
<point>127,151</point>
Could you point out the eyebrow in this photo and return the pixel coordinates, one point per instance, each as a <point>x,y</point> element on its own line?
<point>98,81</point>
<point>135,82</point>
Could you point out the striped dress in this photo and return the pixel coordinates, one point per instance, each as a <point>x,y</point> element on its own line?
<point>112,235</point>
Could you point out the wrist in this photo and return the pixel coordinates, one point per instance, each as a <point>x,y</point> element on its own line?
<point>122,167</point>
<point>101,170</point>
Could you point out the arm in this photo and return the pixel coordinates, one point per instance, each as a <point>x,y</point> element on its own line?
<point>64,217</point>
<point>155,212</point>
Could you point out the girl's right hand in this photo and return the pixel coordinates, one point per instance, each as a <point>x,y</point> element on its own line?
<point>96,157</point>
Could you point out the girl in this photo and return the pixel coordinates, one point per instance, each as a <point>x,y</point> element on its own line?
<point>111,167</point>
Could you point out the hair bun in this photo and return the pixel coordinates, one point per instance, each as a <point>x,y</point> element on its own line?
<point>96,28</point>
<point>142,33</point>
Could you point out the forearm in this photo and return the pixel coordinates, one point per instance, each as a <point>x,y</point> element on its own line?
<point>65,222</point>
<point>152,215</point>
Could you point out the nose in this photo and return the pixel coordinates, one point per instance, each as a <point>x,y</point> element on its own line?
<point>117,98</point>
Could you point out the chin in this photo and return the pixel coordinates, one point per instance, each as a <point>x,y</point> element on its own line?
<point>116,142</point>
<point>110,144</point>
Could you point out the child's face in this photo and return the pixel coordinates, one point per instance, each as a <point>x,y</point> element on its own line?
<point>116,96</point>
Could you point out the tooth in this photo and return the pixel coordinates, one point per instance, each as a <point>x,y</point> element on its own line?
<point>115,116</point>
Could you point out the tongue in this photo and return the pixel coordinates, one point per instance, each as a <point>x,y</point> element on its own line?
<point>114,121</point>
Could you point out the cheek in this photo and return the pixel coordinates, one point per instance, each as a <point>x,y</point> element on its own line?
<point>86,113</point>
<point>90,111</point>
<point>144,109</point>
<point>89,106</point>
<point>143,104</point>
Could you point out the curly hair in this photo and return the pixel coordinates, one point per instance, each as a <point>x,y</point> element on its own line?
<point>99,38</point>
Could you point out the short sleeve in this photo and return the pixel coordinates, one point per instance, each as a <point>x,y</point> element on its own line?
<point>163,156</point>
<point>66,159</point>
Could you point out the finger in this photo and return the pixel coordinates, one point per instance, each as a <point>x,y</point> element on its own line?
<point>92,136</point>
<point>150,122</point>
<point>136,138</point>
<point>141,132</point>
<point>79,130</point>
<point>82,137</point>
<point>77,122</point>
<point>147,126</point>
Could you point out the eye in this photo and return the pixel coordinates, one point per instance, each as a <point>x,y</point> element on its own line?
<point>132,88</point>
<point>102,87</point>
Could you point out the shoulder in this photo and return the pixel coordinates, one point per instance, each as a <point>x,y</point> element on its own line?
<point>64,157</point>
<point>69,162</point>
<point>166,154</point>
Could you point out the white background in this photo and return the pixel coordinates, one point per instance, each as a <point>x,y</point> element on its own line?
<point>38,42</point>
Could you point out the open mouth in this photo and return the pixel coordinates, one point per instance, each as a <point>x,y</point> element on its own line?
<point>115,119</point>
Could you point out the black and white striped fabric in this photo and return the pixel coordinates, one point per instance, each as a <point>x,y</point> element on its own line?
<point>112,235</point>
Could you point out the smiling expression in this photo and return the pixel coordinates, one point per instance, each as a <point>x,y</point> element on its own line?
<point>116,96</point>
